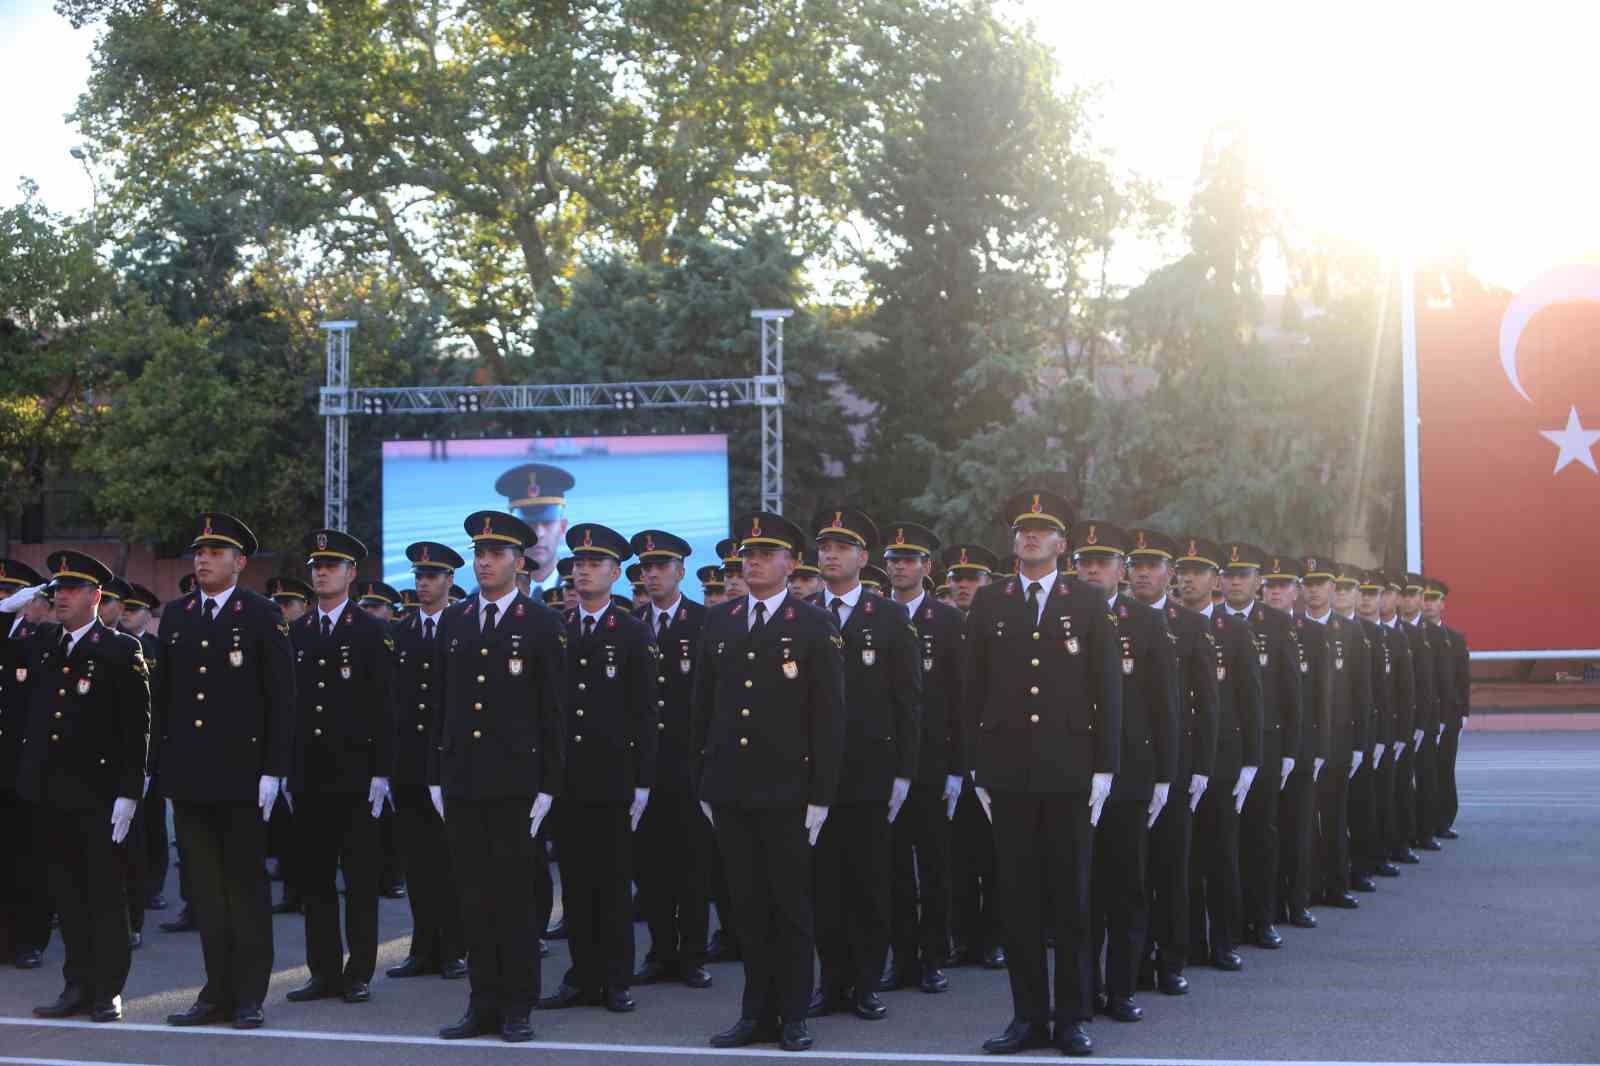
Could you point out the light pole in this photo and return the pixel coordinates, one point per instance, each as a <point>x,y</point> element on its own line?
<point>81,154</point>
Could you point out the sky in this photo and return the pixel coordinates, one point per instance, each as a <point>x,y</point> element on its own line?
<point>1411,127</point>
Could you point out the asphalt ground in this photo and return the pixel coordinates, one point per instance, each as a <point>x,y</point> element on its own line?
<point>1487,952</point>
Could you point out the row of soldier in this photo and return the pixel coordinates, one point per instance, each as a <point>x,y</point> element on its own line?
<point>1068,753</point>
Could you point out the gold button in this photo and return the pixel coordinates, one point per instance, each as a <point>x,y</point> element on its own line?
<point>749,655</point>
<point>1034,662</point>
<point>477,734</point>
<point>480,679</point>
<point>316,732</point>
<point>580,712</point>
<point>661,726</point>
<point>419,727</point>
<point>483,651</point>
<point>582,687</point>
<point>583,662</point>
<point>744,742</point>
<point>200,697</point>
<point>58,714</point>
<point>662,680</point>
<point>1035,634</point>
<point>61,692</point>
<point>322,662</point>
<point>1034,690</point>
<point>1033,718</point>
<point>205,644</point>
<point>744,712</point>
<point>199,723</point>
<point>578,739</point>
<point>748,683</point>
<point>102,762</point>
<point>202,669</point>
<point>477,706</point>
<point>66,669</point>
<point>319,708</point>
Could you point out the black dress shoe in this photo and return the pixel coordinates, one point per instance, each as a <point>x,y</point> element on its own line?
<point>249,1018</point>
<point>1427,844</point>
<point>157,902</point>
<point>107,1010</point>
<point>1123,1009</point>
<point>620,1001</point>
<point>74,999</point>
<point>201,1013</point>
<point>654,971</point>
<point>1174,984</point>
<point>453,969</point>
<point>1227,960</point>
<point>697,977</point>
<point>357,992</point>
<point>746,1031</point>
<point>30,959</point>
<point>868,1006</point>
<point>516,1030</point>
<point>895,978</point>
<point>1343,900</point>
<point>557,931</point>
<point>135,940</point>
<point>1386,869</point>
<point>1019,1036</point>
<point>795,1037</point>
<point>183,923</point>
<point>825,1003</point>
<point>1405,856</point>
<point>1364,884</point>
<point>412,967</point>
<point>567,995</point>
<point>933,980</point>
<point>1302,919</point>
<point>995,958</point>
<point>287,905</point>
<point>1448,834</point>
<point>314,989</point>
<point>1269,938</point>
<point>473,1023</point>
<point>1073,1038</point>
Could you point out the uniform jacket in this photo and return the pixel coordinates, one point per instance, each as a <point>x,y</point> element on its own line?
<point>1239,701</point>
<point>1279,655</point>
<point>13,695</point>
<point>1424,673</point>
<point>1044,703</point>
<point>1150,701</point>
<point>1402,683</point>
<point>769,710</point>
<point>612,716</point>
<point>678,654</point>
<point>414,694</point>
<point>1381,677</point>
<point>500,729</point>
<point>1444,675</point>
<point>1316,692</point>
<point>344,714</point>
<point>941,641</point>
<point>1463,676</point>
<point>88,724</point>
<point>1197,679</point>
<point>1344,653</point>
<point>223,710</point>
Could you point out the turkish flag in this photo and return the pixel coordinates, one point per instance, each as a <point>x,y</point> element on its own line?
<point>1508,455</point>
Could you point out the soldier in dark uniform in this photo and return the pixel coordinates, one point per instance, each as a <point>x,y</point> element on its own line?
<point>1166,944</point>
<point>376,599</point>
<point>82,764</point>
<point>438,941</point>
<point>922,832</point>
<point>24,899</point>
<point>1402,801</point>
<point>150,822</point>
<point>724,944</point>
<point>1365,839</point>
<point>883,710</point>
<point>499,758</point>
<point>1297,808</point>
<point>525,576</point>
<point>769,730</point>
<point>1425,725</point>
<point>732,569</point>
<point>1215,909</point>
<point>1044,709</point>
<point>406,607</point>
<point>184,922</point>
<point>1150,729</point>
<point>223,739</point>
<point>710,578</point>
<point>611,763</point>
<point>638,597</point>
<point>673,845</point>
<point>806,580</point>
<point>537,494</point>
<point>874,580</point>
<point>1340,654</point>
<point>1453,720</point>
<point>343,760</point>
<point>382,602</point>
<point>293,597</point>
<point>1277,654</point>
<point>457,594</point>
<point>1395,721</point>
<point>111,606</point>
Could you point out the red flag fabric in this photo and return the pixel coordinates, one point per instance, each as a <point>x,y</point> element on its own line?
<point>1508,404</point>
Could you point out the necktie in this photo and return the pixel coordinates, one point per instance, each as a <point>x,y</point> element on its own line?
<point>1033,601</point>
<point>661,625</point>
<point>66,644</point>
<point>327,627</point>
<point>588,626</point>
<point>210,609</point>
<point>834,607</point>
<point>489,613</point>
<point>758,619</point>
<point>427,629</point>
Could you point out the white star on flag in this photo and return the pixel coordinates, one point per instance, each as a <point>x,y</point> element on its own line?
<point>1575,442</point>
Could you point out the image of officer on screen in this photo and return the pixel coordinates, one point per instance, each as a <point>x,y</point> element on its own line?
<point>538,495</point>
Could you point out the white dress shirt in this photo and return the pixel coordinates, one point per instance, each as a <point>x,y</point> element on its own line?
<point>847,600</point>
<point>503,604</point>
<point>773,602</point>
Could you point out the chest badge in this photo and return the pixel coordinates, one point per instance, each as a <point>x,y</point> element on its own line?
<point>611,671</point>
<point>927,664</point>
<point>22,674</point>
<point>791,669</point>
<point>1338,661</point>
<point>344,671</point>
<point>83,686</point>
<point>868,656</point>
<point>1127,666</point>
<point>684,665</point>
<point>1222,673</point>
<point>236,657</point>
<point>1073,647</point>
<point>514,667</point>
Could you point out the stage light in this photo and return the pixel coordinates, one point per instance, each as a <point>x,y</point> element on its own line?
<point>374,405</point>
<point>719,397</point>
<point>468,404</point>
<point>625,401</point>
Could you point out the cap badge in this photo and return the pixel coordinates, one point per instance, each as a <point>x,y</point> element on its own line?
<point>755,526</point>
<point>1194,549</point>
<point>1140,542</point>
<point>206,532</point>
<point>649,542</point>
<point>1036,508</point>
<point>1091,538</point>
<point>322,542</point>
<point>488,526</point>
<point>424,556</point>
<point>533,486</point>
<point>588,541</point>
<point>1233,556</point>
<point>963,556</point>
<point>899,536</point>
<point>1311,564</point>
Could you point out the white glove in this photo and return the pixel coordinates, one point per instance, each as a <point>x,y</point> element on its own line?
<point>1399,748</point>
<point>1440,733</point>
<point>1099,789</point>
<point>1241,788</point>
<point>146,790</point>
<point>1416,740</point>
<point>952,795</point>
<point>378,795</point>
<point>266,796</point>
<point>1355,761</point>
<point>121,818</point>
<point>1158,800</point>
<point>436,794</point>
<point>641,797</point>
<point>19,599</point>
<point>536,813</point>
<point>815,816</point>
<point>984,801</point>
<point>1197,788</point>
<point>1377,753</point>
<point>706,807</point>
<point>1316,767</point>
<point>897,796</point>
<point>1288,768</point>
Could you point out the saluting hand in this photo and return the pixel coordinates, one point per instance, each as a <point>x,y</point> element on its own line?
<point>984,801</point>
<point>1316,768</point>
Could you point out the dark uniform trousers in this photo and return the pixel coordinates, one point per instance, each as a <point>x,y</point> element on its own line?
<point>972,884</point>
<point>435,898</point>
<point>1365,853</point>
<point>851,866</point>
<point>24,889</point>
<point>1261,848</point>
<point>336,831</point>
<point>222,846</point>
<point>1332,874</point>
<point>1383,804</point>
<point>921,876</point>
<point>596,871</point>
<point>1051,831</point>
<point>1404,829</point>
<point>497,862</point>
<point>769,877</point>
<point>87,874</point>
<point>134,892</point>
<point>675,845</point>
<point>1121,903</point>
<point>1297,832</point>
<point>1425,769</point>
<point>157,845</point>
<point>1448,746</point>
<point>1166,941</point>
<point>1215,905</point>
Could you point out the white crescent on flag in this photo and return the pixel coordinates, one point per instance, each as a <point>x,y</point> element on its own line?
<point>1564,284</point>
